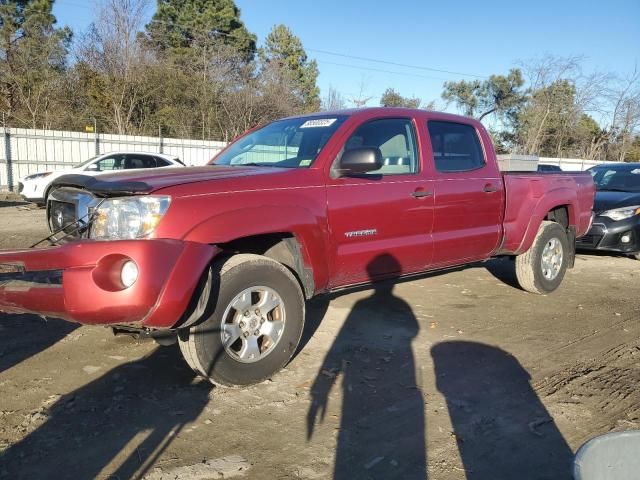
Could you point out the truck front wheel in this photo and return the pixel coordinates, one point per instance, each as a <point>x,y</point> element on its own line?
<point>541,268</point>
<point>255,327</point>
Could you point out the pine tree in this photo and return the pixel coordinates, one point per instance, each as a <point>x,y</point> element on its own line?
<point>33,54</point>
<point>180,25</point>
<point>285,49</point>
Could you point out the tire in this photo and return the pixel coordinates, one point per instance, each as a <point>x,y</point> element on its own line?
<point>260,340</point>
<point>530,269</point>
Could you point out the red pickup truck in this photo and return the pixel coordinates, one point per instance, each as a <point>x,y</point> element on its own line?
<point>226,254</point>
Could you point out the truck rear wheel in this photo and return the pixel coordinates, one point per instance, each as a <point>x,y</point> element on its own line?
<point>255,327</point>
<point>541,268</point>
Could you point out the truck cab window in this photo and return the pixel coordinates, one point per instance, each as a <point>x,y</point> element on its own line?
<point>456,147</point>
<point>395,137</point>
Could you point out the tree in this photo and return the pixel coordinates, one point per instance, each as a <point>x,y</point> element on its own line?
<point>180,25</point>
<point>116,67</point>
<point>391,98</point>
<point>283,48</point>
<point>333,100</point>
<point>499,94</point>
<point>624,114</point>
<point>33,55</point>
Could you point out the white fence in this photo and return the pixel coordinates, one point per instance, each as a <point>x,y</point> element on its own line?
<point>24,151</point>
<point>511,162</point>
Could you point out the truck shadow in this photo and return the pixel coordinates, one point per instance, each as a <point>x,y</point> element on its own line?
<point>382,426</point>
<point>501,427</point>
<point>503,269</point>
<point>23,336</point>
<point>117,426</point>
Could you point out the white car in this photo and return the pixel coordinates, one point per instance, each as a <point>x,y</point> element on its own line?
<point>35,187</point>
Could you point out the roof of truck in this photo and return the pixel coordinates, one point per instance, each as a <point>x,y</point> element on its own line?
<point>371,111</point>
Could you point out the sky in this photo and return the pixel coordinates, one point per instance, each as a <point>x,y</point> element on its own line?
<point>441,40</point>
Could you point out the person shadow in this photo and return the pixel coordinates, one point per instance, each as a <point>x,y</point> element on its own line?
<point>382,425</point>
<point>116,426</point>
<point>500,425</point>
<point>23,336</point>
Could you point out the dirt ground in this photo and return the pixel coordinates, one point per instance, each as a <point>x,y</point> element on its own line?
<point>456,375</point>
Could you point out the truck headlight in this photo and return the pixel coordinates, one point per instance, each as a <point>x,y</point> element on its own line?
<point>621,213</point>
<point>128,217</point>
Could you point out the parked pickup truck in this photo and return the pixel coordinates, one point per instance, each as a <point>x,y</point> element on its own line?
<point>226,254</point>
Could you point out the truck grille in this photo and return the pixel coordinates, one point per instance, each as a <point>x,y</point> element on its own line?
<point>61,215</point>
<point>68,211</point>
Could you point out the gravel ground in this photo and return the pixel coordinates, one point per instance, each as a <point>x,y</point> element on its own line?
<point>455,375</point>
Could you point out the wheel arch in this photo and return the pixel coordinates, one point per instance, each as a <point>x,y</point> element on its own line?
<point>283,247</point>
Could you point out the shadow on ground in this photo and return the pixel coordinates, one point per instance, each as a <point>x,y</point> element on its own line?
<point>501,427</point>
<point>503,269</point>
<point>23,336</point>
<point>13,203</point>
<point>116,426</point>
<point>371,360</point>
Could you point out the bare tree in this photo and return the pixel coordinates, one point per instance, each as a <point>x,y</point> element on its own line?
<point>624,113</point>
<point>333,100</point>
<point>111,49</point>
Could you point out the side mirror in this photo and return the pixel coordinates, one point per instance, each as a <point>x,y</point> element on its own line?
<point>360,160</point>
<point>92,168</point>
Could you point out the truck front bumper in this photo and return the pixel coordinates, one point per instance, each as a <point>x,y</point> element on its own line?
<point>80,281</point>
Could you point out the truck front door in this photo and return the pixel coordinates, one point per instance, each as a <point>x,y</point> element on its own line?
<point>381,221</point>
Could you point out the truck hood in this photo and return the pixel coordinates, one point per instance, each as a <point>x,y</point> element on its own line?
<point>609,200</point>
<point>146,181</point>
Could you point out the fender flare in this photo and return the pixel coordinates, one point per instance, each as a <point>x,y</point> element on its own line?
<point>309,231</point>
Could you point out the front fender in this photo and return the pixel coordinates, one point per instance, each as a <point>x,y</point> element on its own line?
<point>310,231</point>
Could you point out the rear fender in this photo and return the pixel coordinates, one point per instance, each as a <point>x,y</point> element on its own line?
<point>560,197</point>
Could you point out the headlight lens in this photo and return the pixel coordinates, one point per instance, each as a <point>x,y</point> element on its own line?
<point>622,213</point>
<point>128,217</point>
<point>36,176</point>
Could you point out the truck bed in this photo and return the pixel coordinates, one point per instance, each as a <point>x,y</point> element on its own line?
<point>531,195</point>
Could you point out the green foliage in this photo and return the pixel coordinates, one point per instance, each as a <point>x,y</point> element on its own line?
<point>285,50</point>
<point>180,25</point>
<point>33,56</point>
<point>498,94</point>
<point>391,98</point>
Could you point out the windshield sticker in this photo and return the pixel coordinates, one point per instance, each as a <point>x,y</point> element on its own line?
<point>636,171</point>
<point>321,122</point>
<point>305,163</point>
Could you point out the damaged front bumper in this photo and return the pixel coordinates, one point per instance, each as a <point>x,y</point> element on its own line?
<point>80,281</point>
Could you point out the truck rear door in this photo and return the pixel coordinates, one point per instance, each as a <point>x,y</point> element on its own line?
<point>469,193</point>
<point>381,221</point>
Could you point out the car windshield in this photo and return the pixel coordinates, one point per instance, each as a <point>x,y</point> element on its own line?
<point>86,162</point>
<point>290,143</point>
<point>617,179</point>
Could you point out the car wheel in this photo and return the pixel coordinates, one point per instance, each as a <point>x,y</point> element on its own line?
<point>542,268</point>
<point>255,325</point>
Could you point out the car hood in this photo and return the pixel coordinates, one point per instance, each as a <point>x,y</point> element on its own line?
<point>609,200</point>
<point>146,181</point>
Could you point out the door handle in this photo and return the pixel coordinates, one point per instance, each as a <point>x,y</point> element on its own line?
<point>488,188</point>
<point>421,193</point>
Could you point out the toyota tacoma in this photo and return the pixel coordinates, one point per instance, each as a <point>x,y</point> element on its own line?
<point>226,255</point>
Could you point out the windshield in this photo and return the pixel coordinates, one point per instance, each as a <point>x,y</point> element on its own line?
<point>86,162</point>
<point>291,143</point>
<point>617,180</point>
